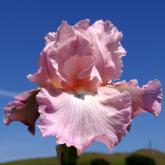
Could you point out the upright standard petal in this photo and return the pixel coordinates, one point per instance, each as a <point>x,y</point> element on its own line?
<point>74,45</point>
<point>79,73</point>
<point>78,120</point>
<point>145,99</point>
<point>107,49</point>
<point>23,109</point>
<point>47,74</point>
<point>101,41</point>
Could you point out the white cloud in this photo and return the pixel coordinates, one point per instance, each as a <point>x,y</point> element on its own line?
<point>6,93</point>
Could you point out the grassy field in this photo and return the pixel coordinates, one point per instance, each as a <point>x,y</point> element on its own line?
<point>85,159</point>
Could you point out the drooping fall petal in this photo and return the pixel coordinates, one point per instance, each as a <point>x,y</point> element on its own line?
<point>23,109</point>
<point>80,119</point>
<point>145,99</point>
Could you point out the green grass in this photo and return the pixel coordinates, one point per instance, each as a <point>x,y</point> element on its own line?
<point>85,159</point>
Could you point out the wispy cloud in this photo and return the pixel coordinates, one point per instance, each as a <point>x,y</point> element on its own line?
<point>6,93</point>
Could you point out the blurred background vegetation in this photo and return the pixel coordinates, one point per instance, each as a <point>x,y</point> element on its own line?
<point>141,157</point>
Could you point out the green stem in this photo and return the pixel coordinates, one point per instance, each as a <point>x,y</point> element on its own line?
<point>66,155</point>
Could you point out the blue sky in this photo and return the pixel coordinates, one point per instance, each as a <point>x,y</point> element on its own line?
<point>23,25</point>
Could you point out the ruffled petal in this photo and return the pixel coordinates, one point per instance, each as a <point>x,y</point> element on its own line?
<point>65,32</point>
<point>64,47</point>
<point>79,120</point>
<point>145,99</point>
<point>79,73</point>
<point>51,37</point>
<point>23,109</point>
<point>107,49</point>
<point>83,24</point>
<point>74,45</point>
<point>47,74</point>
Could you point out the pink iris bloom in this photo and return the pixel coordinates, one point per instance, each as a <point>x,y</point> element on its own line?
<point>78,101</point>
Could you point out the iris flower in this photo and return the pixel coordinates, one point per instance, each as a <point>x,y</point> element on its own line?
<point>78,100</point>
